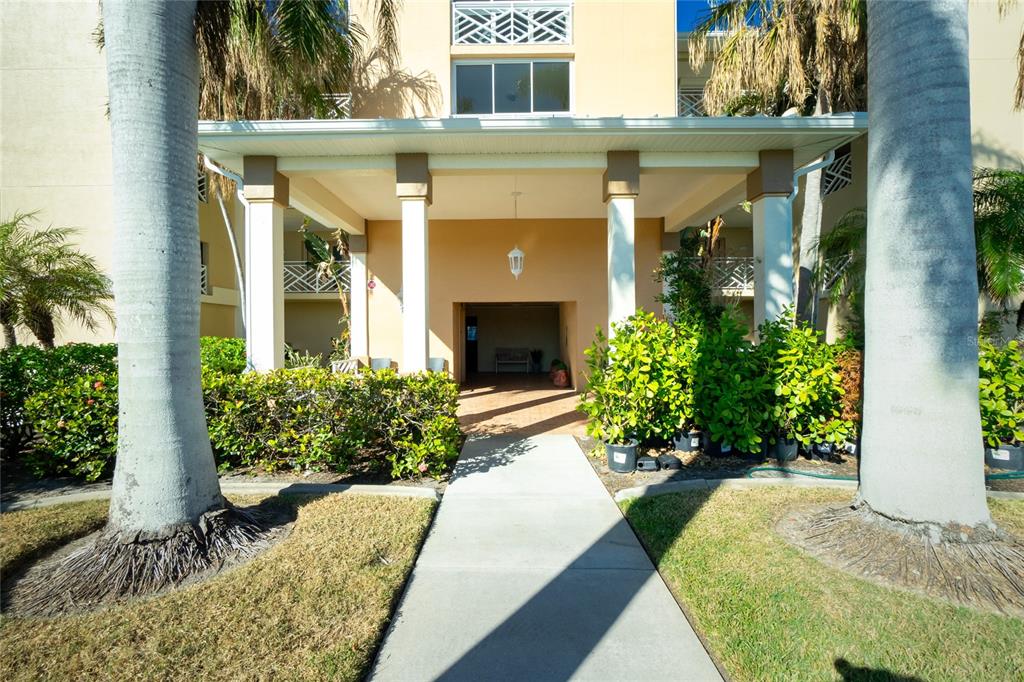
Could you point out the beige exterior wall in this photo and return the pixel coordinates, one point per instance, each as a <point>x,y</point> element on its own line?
<point>55,146</point>
<point>565,263</point>
<point>623,54</point>
<point>997,130</point>
<point>514,326</point>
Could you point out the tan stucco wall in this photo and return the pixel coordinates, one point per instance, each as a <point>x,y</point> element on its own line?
<point>998,131</point>
<point>566,261</point>
<point>624,55</point>
<point>309,325</point>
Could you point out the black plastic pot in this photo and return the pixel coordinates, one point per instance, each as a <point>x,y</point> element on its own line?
<point>1010,457</point>
<point>786,449</point>
<point>687,441</point>
<point>759,455</point>
<point>621,457</point>
<point>713,448</point>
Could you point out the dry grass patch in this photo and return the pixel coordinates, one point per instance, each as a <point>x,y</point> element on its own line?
<point>27,535</point>
<point>311,607</point>
<point>771,612</point>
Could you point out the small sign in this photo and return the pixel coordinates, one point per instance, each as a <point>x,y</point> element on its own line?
<point>619,457</point>
<point>695,441</point>
<point>726,448</point>
<point>1001,454</point>
<point>371,285</point>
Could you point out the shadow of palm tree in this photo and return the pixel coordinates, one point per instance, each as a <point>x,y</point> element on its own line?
<point>855,673</point>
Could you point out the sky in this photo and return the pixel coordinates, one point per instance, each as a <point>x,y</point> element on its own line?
<point>687,13</point>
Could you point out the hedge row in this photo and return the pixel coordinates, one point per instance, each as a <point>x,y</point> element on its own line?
<point>305,419</point>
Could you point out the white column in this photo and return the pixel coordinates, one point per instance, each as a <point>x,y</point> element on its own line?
<point>415,313</point>
<point>621,259</point>
<point>264,285</point>
<point>359,324</point>
<point>773,257</point>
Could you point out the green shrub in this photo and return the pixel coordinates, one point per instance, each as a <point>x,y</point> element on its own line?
<point>75,423</point>
<point>303,419</point>
<point>633,387</point>
<point>731,391</point>
<point>1001,393</point>
<point>806,385</point>
<point>688,292</point>
<point>220,354</point>
<point>26,370</point>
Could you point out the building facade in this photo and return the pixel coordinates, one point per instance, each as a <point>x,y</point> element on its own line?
<point>569,132</point>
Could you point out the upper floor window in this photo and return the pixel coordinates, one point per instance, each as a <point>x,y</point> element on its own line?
<point>512,87</point>
<point>514,22</point>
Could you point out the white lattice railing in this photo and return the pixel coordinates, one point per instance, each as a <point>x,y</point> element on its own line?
<point>731,275</point>
<point>204,278</point>
<point>512,22</point>
<point>302,278</point>
<point>340,104</point>
<point>831,269</point>
<point>837,174</point>
<point>690,102</point>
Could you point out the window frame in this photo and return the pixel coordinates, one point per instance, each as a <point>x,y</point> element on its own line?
<point>512,60</point>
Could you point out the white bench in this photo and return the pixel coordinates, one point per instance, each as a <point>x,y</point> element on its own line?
<point>511,356</point>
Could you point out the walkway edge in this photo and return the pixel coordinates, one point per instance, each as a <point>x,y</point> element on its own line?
<point>248,489</point>
<point>656,489</point>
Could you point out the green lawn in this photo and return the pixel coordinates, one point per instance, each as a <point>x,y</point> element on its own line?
<point>312,607</point>
<point>770,612</point>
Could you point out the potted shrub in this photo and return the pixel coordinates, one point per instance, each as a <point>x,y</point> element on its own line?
<point>730,389</point>
<point>806,388</point>
<point>627,390</point>
<point>1001,399</point>
<point>679,357</point>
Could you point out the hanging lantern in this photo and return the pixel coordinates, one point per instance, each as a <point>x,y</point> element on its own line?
<point>515,261</point>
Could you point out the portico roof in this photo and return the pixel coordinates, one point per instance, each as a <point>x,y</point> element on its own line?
<point>808,136</point>
<point>342,171</point>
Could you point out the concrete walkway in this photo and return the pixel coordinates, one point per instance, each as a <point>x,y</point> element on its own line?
<point>531,573</point>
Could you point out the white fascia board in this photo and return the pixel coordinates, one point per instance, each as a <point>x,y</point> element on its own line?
<point>564,125</point>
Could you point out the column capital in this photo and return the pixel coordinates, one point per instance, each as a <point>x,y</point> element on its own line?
<point>622,175</point>
<point>412,177</point>
<point>262,181</point>
<point>774,175</point>
<point>358,243</point>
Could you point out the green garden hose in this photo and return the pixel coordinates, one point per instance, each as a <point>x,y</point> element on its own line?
<point>750,474</point>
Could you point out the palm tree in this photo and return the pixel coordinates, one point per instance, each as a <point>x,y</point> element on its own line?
<point>922,459</point>
<point>809,54</point>
<point>163,59</point>
<point>43,279</point>
<point>998,234</point>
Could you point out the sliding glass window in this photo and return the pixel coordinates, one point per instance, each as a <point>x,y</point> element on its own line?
<point>512,87</point>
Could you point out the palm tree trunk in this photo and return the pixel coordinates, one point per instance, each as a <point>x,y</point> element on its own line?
<point>810,231</point>
<point>10,337</point>
<point>165,475</point>
<point>922,449</point>
<point>43,329</point>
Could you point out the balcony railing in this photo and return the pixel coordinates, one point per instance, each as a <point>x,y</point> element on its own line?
<point>302,278</point>
<point>521,22</point>
<point>690,102</point>
<point>837,174</point>
<point>204,279</point>
<point>734,275</point>
<point>340,104</point>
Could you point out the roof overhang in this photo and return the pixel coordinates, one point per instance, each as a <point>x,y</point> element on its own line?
<point>342,171</point>
<point>227,142</point>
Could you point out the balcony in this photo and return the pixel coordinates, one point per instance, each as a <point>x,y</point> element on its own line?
<point>204,279</point>
<point>690,102</point>
<point>520,22</point>
<point>734,275</point>
<point>302,278</point>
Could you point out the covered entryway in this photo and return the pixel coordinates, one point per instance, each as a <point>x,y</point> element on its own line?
<point>510,338</point>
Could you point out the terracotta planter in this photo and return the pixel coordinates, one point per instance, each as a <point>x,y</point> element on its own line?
<point>561,378</point>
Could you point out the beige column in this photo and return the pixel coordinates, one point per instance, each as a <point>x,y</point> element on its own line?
<point>768,189</point>
<point>621,187</point>
<point>267,193</point>
<point>359,327</point>
<point>414,188</point>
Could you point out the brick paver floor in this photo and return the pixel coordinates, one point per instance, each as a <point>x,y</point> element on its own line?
<point>523,404</point>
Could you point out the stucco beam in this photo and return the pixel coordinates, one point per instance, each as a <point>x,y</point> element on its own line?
<point>738,162</point>
<point>383,164</point>
<point>323,206</point>
<point>725,192</point>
